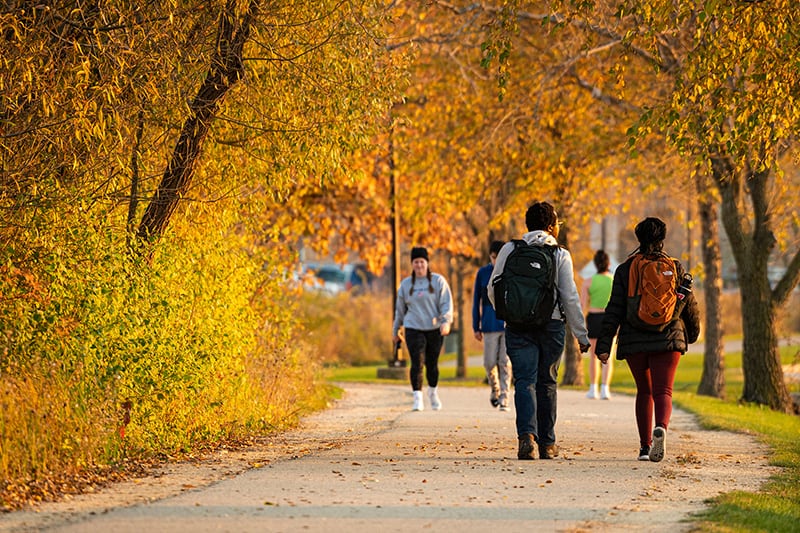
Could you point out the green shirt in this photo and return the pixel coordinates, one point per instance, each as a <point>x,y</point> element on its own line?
<point>600,290</point>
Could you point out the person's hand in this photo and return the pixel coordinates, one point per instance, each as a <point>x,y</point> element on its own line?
<point>444,329</point>
<point>603,357</point>
<point>585,347</point>
<point>479,335</point>
<point>396,339</point>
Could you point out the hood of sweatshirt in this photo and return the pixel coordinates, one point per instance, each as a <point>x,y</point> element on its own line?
<point>540,237</point>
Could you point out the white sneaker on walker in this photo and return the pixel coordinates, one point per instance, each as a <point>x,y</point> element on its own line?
<point>592,394</point>
<point>605,393</point>
<point>418,405</point>
<point>659,447</point>
<point>433,395</point>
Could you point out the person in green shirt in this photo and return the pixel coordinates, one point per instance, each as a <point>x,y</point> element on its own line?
<point>596,291</point>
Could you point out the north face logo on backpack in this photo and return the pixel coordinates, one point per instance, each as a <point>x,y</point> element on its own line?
<point>524,294</point>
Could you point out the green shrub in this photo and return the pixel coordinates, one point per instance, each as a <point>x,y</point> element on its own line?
<point>106,358</point>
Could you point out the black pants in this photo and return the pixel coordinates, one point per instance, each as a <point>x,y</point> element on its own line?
<point>425,344</point>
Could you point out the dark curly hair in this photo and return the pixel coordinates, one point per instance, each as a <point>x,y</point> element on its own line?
<point>540,216</point>
<point>651,233</point>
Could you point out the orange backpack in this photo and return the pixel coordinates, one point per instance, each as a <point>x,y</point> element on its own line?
<point>652,284</point>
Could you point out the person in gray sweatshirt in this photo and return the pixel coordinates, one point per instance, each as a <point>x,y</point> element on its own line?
<point>535,352</point>
<point>424,309</point>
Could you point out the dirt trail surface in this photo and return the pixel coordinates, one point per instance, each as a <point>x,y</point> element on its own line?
<point>370,464</point>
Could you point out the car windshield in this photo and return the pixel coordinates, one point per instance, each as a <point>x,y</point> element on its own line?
<point>331,274</point>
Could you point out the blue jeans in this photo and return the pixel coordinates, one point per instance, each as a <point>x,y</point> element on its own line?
<point>535,357</point>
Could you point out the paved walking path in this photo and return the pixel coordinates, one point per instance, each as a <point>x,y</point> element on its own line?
<point>370,464</point>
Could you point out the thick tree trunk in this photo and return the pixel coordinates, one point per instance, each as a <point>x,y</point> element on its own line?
<point>751,241</point>
<point>712,381</point>
<point>177,178</point>
<point>761,364</point>
<point>225,70</point>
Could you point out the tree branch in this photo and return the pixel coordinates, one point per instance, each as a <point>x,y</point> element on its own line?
<point>600,96</point>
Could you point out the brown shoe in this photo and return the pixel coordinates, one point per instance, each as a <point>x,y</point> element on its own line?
<point>548,452</point>
<point>525,452</point>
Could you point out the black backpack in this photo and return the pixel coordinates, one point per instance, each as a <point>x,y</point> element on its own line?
<point>524,294</point>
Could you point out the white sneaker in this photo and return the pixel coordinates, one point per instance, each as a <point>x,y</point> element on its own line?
<point>592,394</point>
<point>659,446</point>
<point>433,395</point>
<point>605,394</point>
<point>418,405</point>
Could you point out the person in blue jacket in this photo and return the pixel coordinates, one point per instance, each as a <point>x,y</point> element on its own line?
<point>489,329</point>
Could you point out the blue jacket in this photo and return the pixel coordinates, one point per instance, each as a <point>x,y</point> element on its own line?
<point>483,317</point>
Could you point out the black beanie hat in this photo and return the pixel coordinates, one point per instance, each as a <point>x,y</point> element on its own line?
<point>419,251</point>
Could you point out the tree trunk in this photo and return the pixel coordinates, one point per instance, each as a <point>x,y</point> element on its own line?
<point>573,360</point>
<point>225,70</point>
<point>751,242</point>
<point>135,159</point>
<point>461,354</point>
<point>712,381</point>
<point>761,364</point>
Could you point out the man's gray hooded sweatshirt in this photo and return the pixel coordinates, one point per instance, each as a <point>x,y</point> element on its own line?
<point>566,292</point>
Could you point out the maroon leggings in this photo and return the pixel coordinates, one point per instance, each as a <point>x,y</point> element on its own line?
<point>654,374</point>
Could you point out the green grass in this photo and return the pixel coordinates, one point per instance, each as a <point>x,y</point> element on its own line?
<point>776,507</point>
<point>369,374</point>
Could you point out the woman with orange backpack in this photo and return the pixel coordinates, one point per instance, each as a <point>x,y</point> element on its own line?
<point>655,319</point>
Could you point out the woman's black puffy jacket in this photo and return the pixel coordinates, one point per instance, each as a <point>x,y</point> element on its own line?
<point>676,336</point>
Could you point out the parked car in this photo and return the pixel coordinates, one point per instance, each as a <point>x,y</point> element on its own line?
<point>332,278</point>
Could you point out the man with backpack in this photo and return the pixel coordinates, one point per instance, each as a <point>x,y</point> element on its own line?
<point>533,289</point>
<point>656,314</point>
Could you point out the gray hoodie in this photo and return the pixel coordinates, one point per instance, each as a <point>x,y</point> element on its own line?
<point>566,290</point>
<point>422,309</point>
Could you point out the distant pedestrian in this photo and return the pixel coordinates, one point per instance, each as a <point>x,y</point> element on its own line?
<point>535,352</point>
<point>489,329</point>
<point>424,309</point>
<point>595,293</point>
<point>652,355</point>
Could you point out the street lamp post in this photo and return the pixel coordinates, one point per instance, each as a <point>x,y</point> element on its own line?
<point>397,350</point>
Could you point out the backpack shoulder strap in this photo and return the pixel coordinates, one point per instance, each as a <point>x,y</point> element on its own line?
<point>633,275</point>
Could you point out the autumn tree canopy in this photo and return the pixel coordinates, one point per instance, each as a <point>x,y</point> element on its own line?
<point>156,106</point>
<point>722,90</point>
